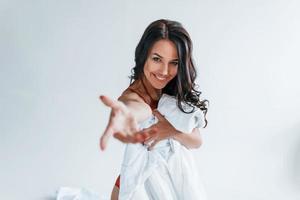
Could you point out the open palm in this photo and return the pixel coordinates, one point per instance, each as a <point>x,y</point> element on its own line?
<point>122,124</point>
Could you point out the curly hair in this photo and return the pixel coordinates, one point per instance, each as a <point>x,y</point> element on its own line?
<point>182,86</point>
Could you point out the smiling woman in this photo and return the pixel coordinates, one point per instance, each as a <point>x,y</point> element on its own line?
<point>159,116</point>
<point>161,65</point>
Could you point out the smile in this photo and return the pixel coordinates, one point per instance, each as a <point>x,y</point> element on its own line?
<point>161,78</point>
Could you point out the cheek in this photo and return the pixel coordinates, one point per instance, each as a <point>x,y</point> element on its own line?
<point>147,69</point>
<point>153,66</point>
<point>173,72</point>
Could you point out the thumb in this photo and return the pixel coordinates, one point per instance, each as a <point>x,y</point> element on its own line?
<point>104,138</point>
<point>159,116</point>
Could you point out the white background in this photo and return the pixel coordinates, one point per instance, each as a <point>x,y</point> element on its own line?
<point>57,57</point>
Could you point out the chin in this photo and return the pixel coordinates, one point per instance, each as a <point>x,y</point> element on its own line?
<point>159,86</point>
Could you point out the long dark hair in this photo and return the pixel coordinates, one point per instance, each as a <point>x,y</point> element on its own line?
<point>182,86</point>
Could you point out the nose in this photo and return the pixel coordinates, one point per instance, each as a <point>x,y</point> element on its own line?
<point>164,69</point>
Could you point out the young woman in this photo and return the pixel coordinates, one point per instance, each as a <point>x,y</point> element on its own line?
<point>153,114</point>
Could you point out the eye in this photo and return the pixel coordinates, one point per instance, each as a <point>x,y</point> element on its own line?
<point>156,59</point>
<point>175,63</point>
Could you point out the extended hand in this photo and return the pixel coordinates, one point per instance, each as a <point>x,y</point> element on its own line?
<point>122,124</point>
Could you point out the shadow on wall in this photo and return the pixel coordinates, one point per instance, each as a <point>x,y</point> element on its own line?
<point>49,198</point>
<point>294,164</point>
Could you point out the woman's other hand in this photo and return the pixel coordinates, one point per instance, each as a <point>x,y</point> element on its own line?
<point>166,130</point>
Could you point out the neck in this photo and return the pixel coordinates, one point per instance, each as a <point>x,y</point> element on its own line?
<point>152,92</point>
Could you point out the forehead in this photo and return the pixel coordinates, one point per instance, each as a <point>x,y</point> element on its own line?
<point>165,48</point>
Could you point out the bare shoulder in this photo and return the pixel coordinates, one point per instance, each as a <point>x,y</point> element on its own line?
<point>134,96</point>
<point>129,95</point>
<point>134,101</point>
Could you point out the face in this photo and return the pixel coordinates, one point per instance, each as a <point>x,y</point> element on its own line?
<point>162,63</point>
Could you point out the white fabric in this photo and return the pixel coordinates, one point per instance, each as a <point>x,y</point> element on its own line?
<point>167,172</point>
<point>69,193</point>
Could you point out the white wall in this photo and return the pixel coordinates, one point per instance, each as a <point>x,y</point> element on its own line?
<point>57,57</point>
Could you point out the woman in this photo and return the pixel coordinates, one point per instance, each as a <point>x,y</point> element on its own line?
<point>164,65</point>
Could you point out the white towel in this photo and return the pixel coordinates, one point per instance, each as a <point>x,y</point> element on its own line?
<point>168,171</point>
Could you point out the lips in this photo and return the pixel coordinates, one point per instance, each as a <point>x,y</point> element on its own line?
<point>159,77</point>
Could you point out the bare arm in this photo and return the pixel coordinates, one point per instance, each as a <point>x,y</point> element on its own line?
<point>167,130</point>
<point>191,140</point>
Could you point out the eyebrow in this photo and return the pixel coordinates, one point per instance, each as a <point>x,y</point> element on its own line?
<point>176,59</point>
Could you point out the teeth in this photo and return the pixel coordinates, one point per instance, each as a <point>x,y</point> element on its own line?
<point>160,78</point>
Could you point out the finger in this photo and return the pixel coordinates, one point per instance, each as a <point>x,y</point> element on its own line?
<point>151,130</point>
<point>159,116</point>
<point>148,133</point>
<point>148,142</point>
<point>138,138</point>
<point>108,101</point>
<point>153,135</point>
<point>126,138</point>
<point>104,138</point>
<point>152,145</point>
<point>120,136</point>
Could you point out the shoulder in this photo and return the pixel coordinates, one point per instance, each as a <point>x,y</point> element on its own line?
<point>134,100</point>
<point>132,96</point>
<point>128,94</point>
<point>132,92</point>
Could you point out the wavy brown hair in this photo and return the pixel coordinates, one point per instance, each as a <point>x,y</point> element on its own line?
<point>182,86</point>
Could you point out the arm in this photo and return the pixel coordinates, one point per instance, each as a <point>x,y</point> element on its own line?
<point>167,130</point>
<point>190,140</point>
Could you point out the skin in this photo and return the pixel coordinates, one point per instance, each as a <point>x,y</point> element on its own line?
<point>115,193</point>
<point>130,109</point>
